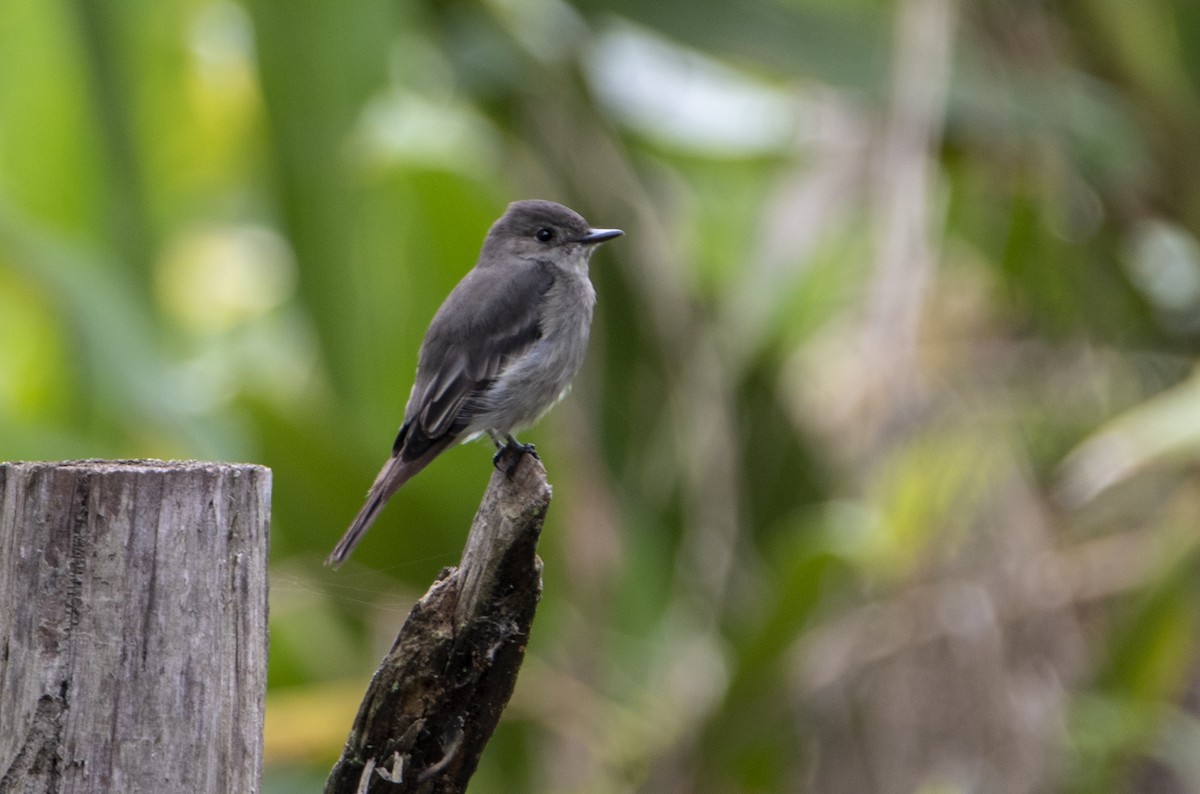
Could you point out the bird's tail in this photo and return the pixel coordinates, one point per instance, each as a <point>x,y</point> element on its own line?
<point>394,474</point>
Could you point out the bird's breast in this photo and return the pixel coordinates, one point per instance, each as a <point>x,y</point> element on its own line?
<point>533,382</point>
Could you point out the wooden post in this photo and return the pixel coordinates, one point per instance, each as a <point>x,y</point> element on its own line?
<point>133,626</point>
<point>436,698</point>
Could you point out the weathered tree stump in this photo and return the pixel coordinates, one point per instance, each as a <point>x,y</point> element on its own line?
<point>133,626</point>
<point>436,698</point>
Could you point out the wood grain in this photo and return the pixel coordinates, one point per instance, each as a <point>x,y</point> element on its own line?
<point>133,626</point>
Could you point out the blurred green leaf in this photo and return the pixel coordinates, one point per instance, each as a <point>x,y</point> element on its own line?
<point>891,371</point>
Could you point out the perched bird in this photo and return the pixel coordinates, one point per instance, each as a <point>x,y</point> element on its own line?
<point>501,350</point>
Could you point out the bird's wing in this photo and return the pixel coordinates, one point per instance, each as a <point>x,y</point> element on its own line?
<point>484,324</point>
<point>481,327</point>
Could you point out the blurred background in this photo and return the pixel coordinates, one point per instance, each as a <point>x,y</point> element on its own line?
<point>882,473</point>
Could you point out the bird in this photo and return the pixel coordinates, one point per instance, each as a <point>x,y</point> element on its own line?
<point>500,351</point>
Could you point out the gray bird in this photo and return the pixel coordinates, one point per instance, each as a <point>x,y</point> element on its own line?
<point>501,350</point>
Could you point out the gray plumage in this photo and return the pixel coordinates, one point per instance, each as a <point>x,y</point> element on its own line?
<point>501,350</point>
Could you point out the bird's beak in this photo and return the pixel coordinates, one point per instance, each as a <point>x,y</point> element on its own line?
<point>600,235</point>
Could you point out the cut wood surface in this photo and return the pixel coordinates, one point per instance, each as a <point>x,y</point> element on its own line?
<point>133,626</point>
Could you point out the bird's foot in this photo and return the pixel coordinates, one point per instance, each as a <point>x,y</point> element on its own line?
<point>525,449</point>
<point>513,450</point>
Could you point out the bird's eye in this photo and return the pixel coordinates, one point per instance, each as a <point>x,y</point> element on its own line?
<point>545,235</point>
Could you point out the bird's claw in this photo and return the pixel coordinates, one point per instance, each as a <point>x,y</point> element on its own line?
<point>518,450</point>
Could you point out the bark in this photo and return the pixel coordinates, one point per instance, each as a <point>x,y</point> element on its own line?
<point>438,695</point>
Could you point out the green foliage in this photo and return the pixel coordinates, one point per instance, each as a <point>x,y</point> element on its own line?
<point>881,473</point>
